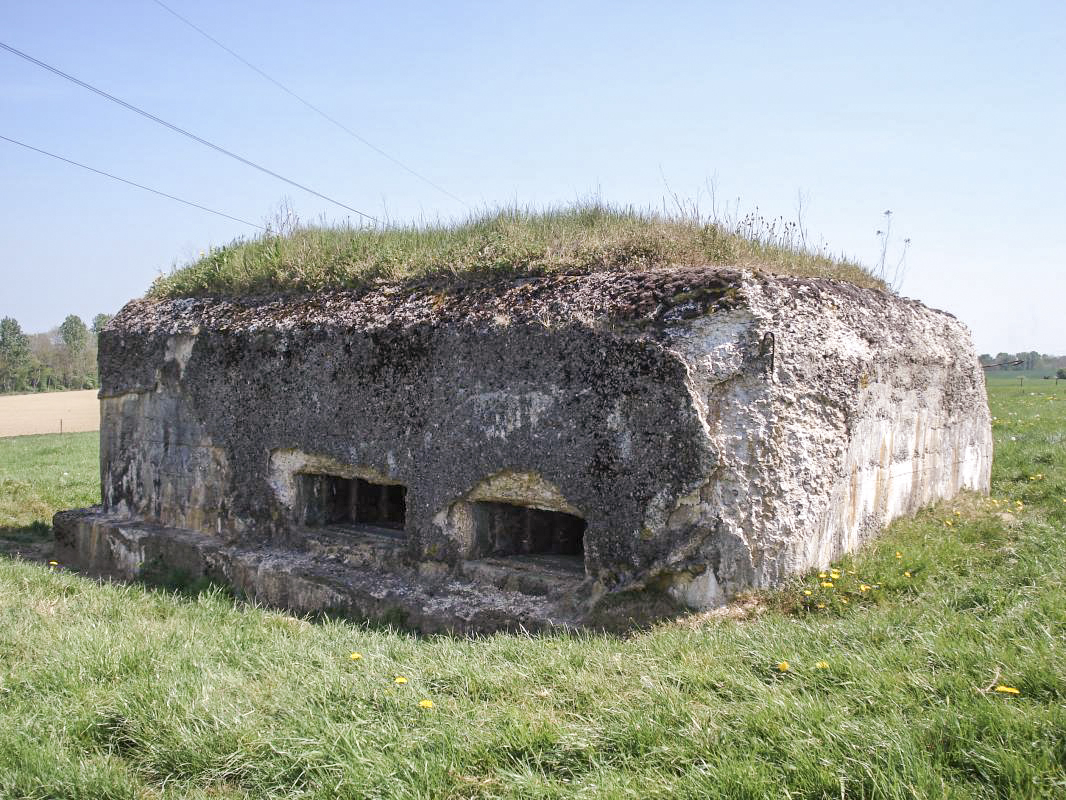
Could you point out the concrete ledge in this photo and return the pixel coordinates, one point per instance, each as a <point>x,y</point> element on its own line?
<point>111,546</point>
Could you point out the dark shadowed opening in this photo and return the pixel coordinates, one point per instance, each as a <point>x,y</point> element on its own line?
<point>333,500</point>
<point>381,504</point>
<point>502,529</point>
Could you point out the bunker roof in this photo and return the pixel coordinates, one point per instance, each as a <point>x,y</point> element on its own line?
<point>499,246</point>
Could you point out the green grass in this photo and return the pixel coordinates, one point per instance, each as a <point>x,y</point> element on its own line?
<point>506,243</point>
<point>40,475</point>
<point>1033,379</point>
<point>119,691</point>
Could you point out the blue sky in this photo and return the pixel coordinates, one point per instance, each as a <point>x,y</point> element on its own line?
<point>952,115</point>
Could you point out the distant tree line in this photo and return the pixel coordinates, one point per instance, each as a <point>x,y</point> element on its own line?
<point>1022,361</point>
<point>63,358</point>
<point>1031,360</point>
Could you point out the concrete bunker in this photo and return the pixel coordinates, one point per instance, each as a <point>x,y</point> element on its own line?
<point>515,453</point>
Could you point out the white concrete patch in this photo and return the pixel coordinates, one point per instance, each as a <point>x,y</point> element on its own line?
<point>179,350</point>
<point>510,411</point>
<point>701,592</point>
<point>523,489</point>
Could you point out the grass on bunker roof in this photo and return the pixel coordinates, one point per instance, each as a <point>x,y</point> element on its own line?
<point>588,237</point>
<point>123,692</point>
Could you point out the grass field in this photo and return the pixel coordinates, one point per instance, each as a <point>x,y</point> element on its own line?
<point>889,691</point>
<point>44,412</point>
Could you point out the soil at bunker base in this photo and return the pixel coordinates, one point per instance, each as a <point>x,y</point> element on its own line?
<point>23,414</point>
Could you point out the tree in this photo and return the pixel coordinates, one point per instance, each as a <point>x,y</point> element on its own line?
<point>99,321</point>
<point>75,339</point>
<point>74,334</point>
<point>14,355</point>
<point>1061,374</point>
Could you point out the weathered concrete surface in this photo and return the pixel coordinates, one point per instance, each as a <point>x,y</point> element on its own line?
<point>716,431</point>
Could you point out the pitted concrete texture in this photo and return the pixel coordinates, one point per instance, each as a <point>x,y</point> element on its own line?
<point>686,434</point>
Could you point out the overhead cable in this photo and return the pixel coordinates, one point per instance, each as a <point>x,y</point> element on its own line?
<point>130,183</point>
<point>181,130</point>
<point>309,104</point>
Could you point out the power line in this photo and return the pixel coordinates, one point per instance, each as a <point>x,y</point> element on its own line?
<point>309,104</point>
<point>180,130</point>
<point>129,182</point>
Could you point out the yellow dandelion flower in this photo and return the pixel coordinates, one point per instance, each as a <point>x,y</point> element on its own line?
<point>821,575</point>
<point>864,587</point>
<point>53,563</point>
<point>807,592</point>
<point>958,513</point>
<point>400,680</point>
<point>834,575</point>
<point>822,664</point>
<point>355,656</point>
<point>782,666</point>
<point>425,703</point>
<point>899,554</point>
<point>827,584</point>
<point>821,605</point>
<point>1006,689</point>
<point>906,573</point>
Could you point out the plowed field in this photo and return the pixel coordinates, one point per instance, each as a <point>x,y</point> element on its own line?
<point>22,414</point>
